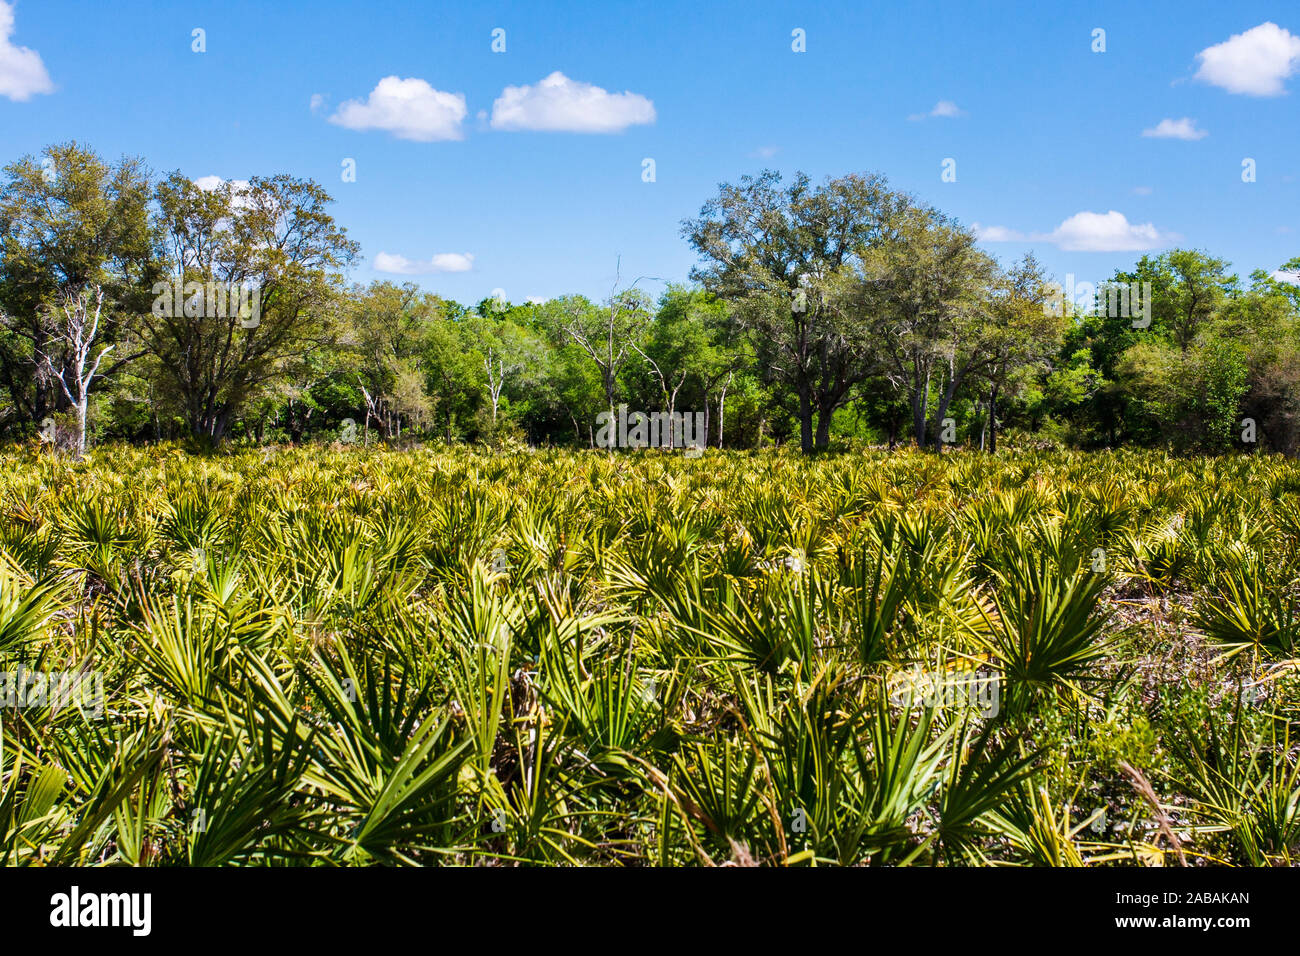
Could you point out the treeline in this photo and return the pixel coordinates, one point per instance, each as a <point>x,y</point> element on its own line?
<point>141,309</point>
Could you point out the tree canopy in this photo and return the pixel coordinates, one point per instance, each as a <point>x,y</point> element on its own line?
<point>139,309</point>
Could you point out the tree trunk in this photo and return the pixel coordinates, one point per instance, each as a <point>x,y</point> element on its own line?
<point>920,406</point>
<point>805,419</point>
<point>221,424</point>
<point>993,421</point>
<point>823,429</point>
<point>82,402</point>
<point>945,399</point>
<point>722,407</point>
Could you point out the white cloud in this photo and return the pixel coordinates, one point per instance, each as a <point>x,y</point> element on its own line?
<point>1176,129</point>
<point>22,72</point>
<point>1254,63</point>
<point>1142,190</point>
<point>998,234</point>
<point>559,104</point>
<point>1087,232</point>
<point>1292,278</point>
<point>1107,232</point>
<point>536,300</point>
<point>765,152</point>
<point>409,109</point>
<point>944,109</point>
<point>442,262</point>
<point>317,102</point>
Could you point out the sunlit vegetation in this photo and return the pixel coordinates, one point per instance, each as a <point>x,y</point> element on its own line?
<point>509,656</point>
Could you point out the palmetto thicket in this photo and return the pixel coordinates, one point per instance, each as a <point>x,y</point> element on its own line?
<point>538,657</point>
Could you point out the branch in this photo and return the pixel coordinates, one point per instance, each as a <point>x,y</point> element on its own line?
<point>90,376</point>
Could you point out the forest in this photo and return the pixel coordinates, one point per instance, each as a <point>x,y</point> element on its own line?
<point>838,314</point>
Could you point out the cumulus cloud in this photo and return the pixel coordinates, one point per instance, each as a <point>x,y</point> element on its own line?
<point>559,104</point>
<point>1088,232</point>
<point>1254,63</point>
<point>1292,278</point>
<point>998,234</point>
<point>409,109</point>
<point>1176,129</point>
<point>1107,232</point>
<point>442,262</point>
<point>22,72</point>
<point>944,109</point>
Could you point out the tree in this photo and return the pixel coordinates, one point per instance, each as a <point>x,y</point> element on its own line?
<point>686,352</point>
<point>1189,289</point>
<point>69,223</point>
<point>1288,286</point>
<point>1193,393</point>
<point>409,399</point>
<point>454,374</point>
<point>505,349</point>
<point>930,293</point>
<point>567,384</point>
<point>268,244</point>
<point>776,255</point>
<point>386,339</point>
<point>1266,321</point>
<point>606,334</point>
<point>78,331</point>
<point>1024,336</point>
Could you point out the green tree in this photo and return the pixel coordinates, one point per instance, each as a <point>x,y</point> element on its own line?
<point>776,253</point>
<point>606,334</point>
<point>930,292</point>
<point>567,384</point>
<point>72,226</point>
<point>1266,320</point>
<point>454,374</point>
<point>692,353</point>
<point>386,340</point>
<point>271,238</point>
<point>506,351</point>
<point>1194,394</point>
<point>1025,334</point>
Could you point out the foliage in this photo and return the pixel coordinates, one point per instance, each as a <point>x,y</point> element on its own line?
<point>365,656</point>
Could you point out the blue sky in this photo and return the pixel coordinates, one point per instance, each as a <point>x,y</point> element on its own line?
<point>537,191</point>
